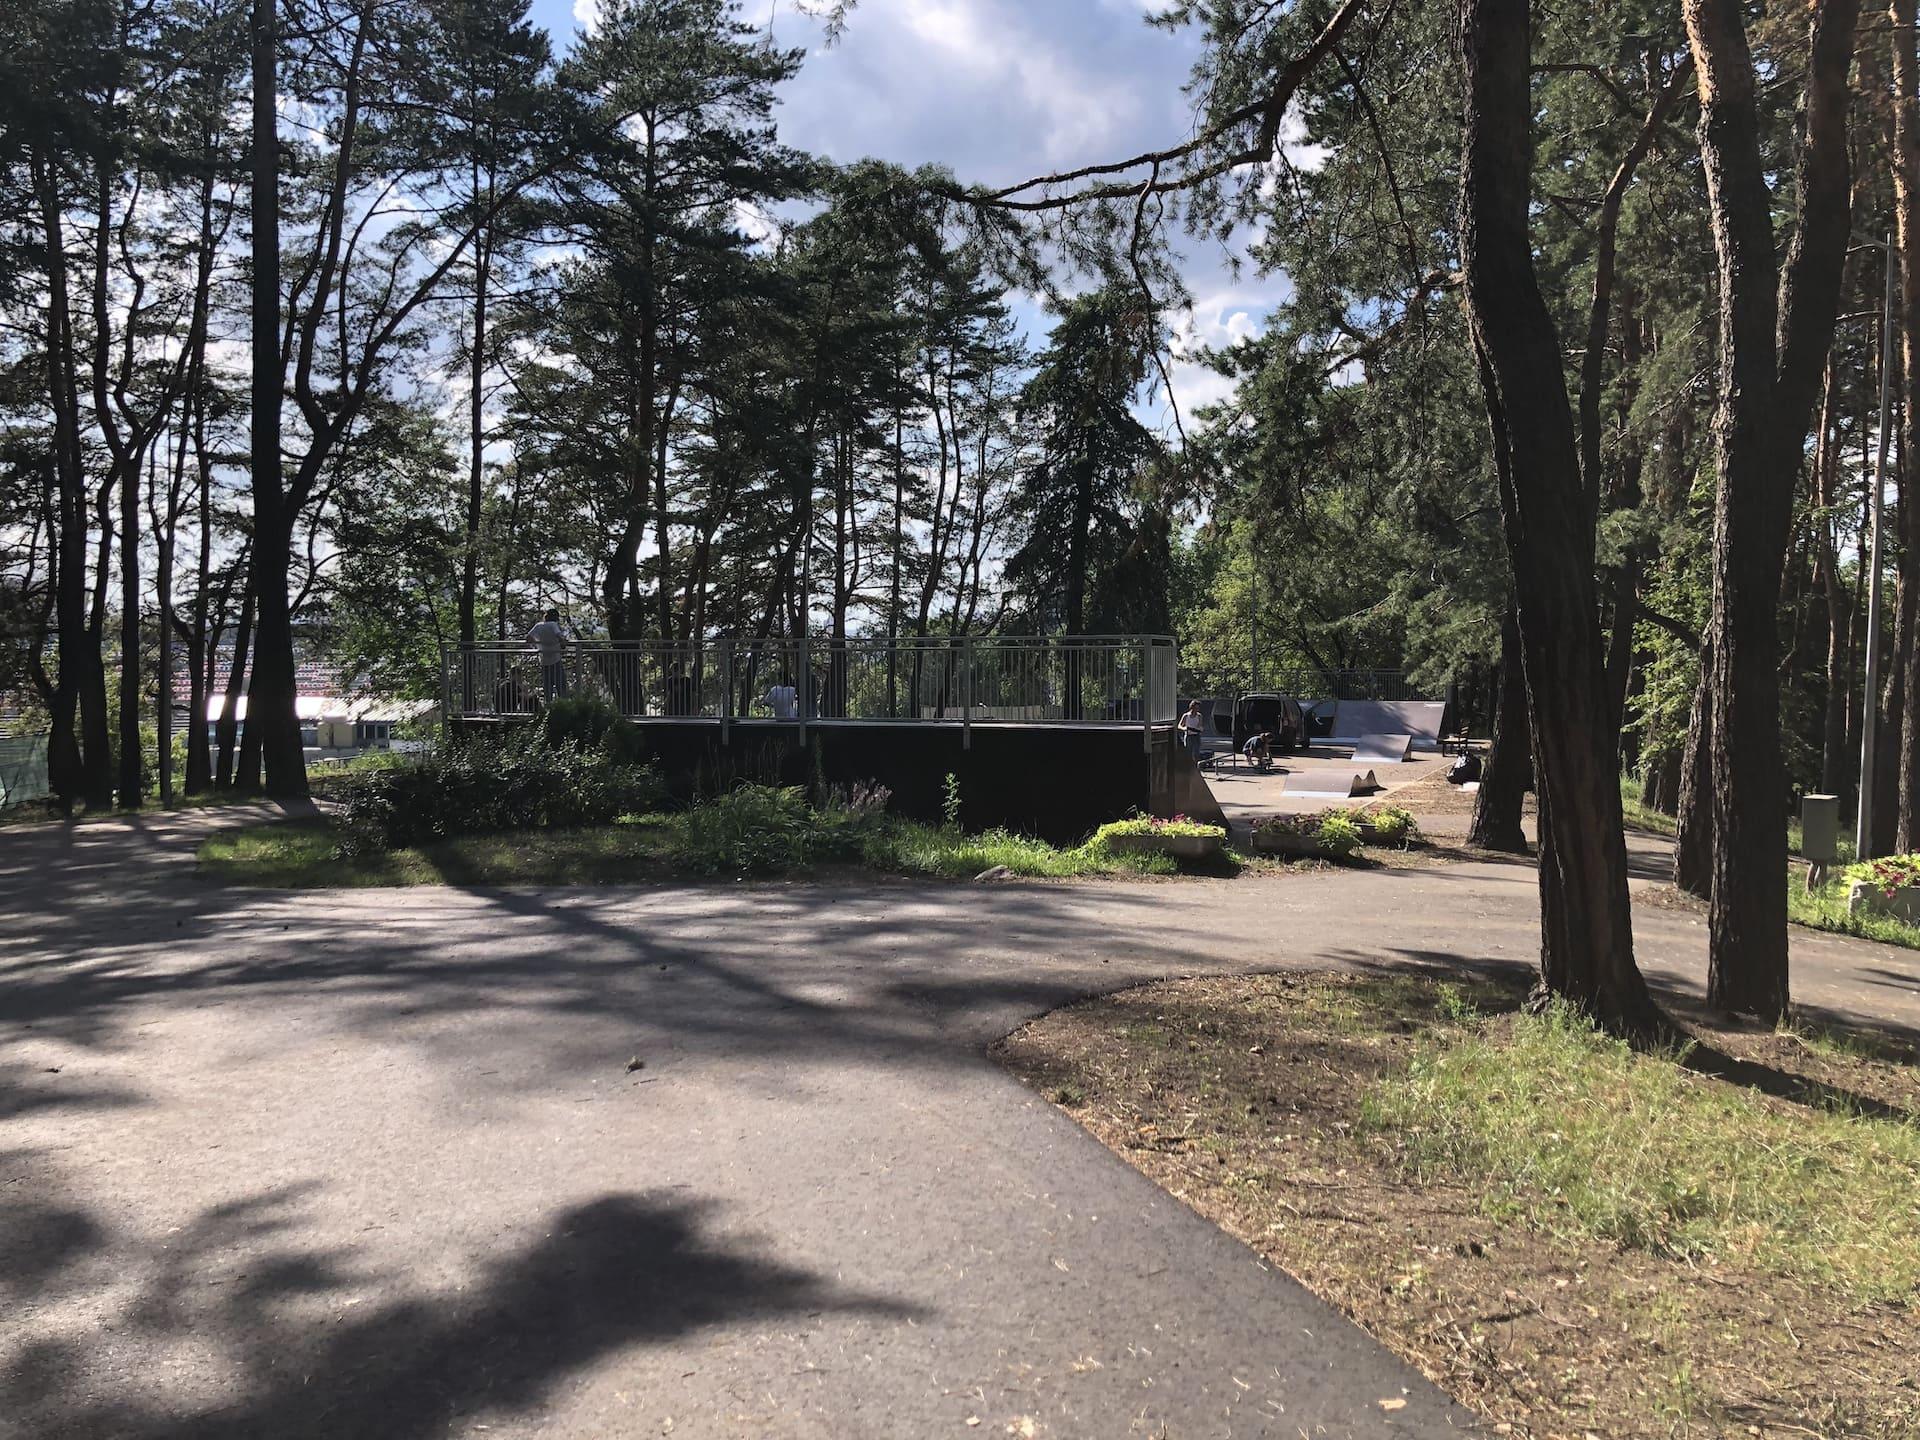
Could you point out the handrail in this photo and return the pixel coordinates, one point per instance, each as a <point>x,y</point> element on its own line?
<point>966,679</point>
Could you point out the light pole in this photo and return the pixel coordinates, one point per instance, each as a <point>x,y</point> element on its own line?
<point>1253,622</point>
<point>1869,714</point>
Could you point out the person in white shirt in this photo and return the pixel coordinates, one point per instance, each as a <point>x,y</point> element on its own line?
<point>784,701</point>
<point>1192,727</point>
<point>551,641</point>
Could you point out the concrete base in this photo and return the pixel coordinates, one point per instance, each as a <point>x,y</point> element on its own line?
<point>1903,904</point>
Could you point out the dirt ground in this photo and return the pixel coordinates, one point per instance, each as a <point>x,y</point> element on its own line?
<point>1241,1097</point>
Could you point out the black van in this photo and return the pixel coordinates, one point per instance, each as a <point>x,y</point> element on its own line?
<point>1279,715</point>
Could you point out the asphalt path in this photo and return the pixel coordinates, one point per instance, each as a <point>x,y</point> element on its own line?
<point>691,1160</point>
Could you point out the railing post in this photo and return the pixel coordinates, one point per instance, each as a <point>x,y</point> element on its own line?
<point>966,692</point>
<point>726,690</point>
<point>805,677</point>
<point>1147,706</point>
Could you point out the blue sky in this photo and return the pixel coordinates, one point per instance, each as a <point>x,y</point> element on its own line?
<point>997,90</point>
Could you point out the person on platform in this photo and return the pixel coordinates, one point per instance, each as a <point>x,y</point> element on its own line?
<point>1192,727</point>
<point>784,701</point>
<point>550,640</point>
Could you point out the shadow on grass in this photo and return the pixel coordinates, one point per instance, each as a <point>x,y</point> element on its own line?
<point>1505,986</point>
<point>1706,1059</point>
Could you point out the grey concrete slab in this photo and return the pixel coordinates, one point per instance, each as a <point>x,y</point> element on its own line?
<point>1343,784</point>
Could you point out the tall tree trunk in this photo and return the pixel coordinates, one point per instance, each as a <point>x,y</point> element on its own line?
<point>166,526</point>
<point>1773,350</point>
<point>1906,212</point>
<point>199,777</point>
<point>1586,952</point>
<point>1693,829</point>
<point>1896,704</point>
<point>272,739</point>
<point>66,762</point>
<point>1826,471</point>
<point>226,729</point>
<point>131,782</point>
<point>476,442</point>
<point>96,731</point>
<point>1508,774</point>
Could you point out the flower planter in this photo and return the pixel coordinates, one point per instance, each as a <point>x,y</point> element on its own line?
<point>1902,904</point>
<point>1181,847</point>
<point>1285,842</point>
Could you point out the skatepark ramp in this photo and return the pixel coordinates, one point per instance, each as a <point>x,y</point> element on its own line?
<point>1340,784</point>
<point>1382,749</point>
<point>1421,719</point>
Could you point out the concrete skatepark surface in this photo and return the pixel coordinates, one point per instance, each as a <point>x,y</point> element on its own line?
<point>381,1163</point>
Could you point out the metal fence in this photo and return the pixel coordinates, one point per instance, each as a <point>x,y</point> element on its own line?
<point>1311,684</point>
<point>970,680</point>
<point>23,769</point>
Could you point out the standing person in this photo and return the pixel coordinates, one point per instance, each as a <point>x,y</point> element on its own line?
<point>1192,727</point>
<point>551,641</point>
<point>784,701</point>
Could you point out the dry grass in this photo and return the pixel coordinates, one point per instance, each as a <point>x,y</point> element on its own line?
<point>1549,1226</point>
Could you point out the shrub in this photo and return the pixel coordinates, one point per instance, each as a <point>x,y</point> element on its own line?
<point>950,801</point>
<point>1337,833</point>
<point>1100,848</point>
<point>1393,825</point>
<point>863,799</point>
<point>750,829</point>
<point>1333,832</point>
<point>510,783</point>
<point>1154,825</point>
<point>1887,874</point>
<point>759,829</point>
<point>587,722</point>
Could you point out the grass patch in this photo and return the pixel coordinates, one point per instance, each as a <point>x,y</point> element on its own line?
<point>1573,1133</point>
<point>1571,1237</point>
<point>306,854</point>
<point>1826,909</point>
<point>1640,816</point>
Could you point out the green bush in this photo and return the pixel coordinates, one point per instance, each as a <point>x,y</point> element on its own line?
<point>1338,834</point>
<point>1887,874</point>
<point>760,829</point>
<point>1393,825</point>
<point>513,782</point>
<point>586,722</point>
<point>1154,825</point>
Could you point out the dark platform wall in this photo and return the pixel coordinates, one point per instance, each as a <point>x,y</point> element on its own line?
<point>1056,782</point>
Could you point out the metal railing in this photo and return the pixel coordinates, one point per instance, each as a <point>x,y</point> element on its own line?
<point>966,680</point>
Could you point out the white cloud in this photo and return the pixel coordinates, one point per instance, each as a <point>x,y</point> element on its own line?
<point>1216,320</point>
<point>1076,108</point>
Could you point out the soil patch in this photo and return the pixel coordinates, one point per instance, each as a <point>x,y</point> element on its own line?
<point>1278,1106</point>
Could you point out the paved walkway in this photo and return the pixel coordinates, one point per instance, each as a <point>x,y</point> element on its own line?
<point>374,1163</point>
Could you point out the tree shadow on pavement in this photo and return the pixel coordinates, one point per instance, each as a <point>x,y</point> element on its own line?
<point>292,1355</point>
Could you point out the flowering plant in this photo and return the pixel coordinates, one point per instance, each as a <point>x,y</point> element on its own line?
<point>1155,825</point>
<point>1889,874</point>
